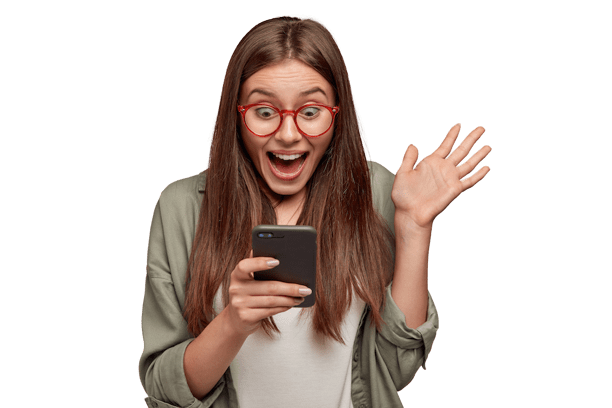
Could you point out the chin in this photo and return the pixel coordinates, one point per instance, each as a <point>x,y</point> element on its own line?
<point>286,190</point>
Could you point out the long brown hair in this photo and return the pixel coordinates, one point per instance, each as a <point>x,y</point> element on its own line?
<point>355,244</point>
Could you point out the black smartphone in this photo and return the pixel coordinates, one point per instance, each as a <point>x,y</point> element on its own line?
<point>295,246</point>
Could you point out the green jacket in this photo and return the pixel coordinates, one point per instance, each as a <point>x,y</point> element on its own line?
<point>383,363</point>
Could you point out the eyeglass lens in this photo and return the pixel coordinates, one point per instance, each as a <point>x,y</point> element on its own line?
<point>311,120</point>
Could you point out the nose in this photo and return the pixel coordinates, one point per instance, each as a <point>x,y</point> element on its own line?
<point>288,132</point>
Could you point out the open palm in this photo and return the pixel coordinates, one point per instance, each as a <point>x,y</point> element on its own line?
<point>424,191</point>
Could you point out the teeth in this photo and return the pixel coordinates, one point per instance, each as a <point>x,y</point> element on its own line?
<point>287,156</point>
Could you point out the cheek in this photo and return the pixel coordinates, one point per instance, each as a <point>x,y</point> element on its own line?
<point>252,144</point>
<point>321,144</point>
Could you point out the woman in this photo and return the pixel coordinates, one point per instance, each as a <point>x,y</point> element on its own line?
<point>286,150</point>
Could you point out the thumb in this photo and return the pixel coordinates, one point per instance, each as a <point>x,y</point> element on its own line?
<point>410,158</point>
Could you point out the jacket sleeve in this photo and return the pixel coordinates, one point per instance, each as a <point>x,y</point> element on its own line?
<point>385,362</point>
<point>403,349</point>
<point>164,329</point>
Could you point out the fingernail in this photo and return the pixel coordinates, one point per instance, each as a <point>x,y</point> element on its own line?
<point>298,300</point>
<point>305,292</point>
<point>273,262</point>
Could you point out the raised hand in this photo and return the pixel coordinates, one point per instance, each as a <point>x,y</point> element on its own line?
<point>421,193</point>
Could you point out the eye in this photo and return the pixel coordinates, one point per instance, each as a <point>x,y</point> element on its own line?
<point>265,112</point>
<point>310,112</point>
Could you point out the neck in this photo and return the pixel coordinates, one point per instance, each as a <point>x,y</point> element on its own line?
<point>289,208</point>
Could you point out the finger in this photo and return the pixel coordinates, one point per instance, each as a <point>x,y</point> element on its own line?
<point>467,167</point>
<point>278,288</point>
<point>472,180</point>
<point>464,148</point>
<point>260,314</point>
<point>267,302</point>
<point>448,142</point>
<point>410,158</point>
<point>251,256</point>
<point>245,268</point>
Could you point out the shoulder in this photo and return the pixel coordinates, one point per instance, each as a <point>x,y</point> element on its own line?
<point>381,180</point>
<point>173,228</point>
<point>185,191</point>
<point>380,176</point>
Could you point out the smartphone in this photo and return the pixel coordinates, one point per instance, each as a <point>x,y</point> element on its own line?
<point>295,246</point>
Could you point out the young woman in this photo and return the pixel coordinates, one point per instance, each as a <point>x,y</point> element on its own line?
<point>287,150</point>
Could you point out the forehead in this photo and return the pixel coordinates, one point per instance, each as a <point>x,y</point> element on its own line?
<point>289,79</point>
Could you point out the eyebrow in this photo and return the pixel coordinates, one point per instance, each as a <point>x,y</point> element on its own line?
<point>273,95</point>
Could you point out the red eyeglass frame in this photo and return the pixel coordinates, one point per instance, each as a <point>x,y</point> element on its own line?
<point>243,110</point>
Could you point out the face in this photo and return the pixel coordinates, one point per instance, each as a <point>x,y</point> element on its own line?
<point>286,159</point>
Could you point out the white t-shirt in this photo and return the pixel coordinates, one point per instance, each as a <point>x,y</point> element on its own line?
<point>296,368</point>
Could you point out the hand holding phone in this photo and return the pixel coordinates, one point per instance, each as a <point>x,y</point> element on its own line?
<point>251,301</point>
<point>295,246</point>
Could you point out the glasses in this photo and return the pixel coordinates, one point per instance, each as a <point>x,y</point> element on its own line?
<point>311,120</point>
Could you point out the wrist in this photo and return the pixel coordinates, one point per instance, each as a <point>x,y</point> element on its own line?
<point>231,332</point>
<point>405,224</point>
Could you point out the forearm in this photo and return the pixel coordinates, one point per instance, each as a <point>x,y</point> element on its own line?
<point>409,288</point>
<point>210,354</point>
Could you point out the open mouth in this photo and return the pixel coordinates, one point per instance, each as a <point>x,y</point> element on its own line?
<point>286,166</point>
